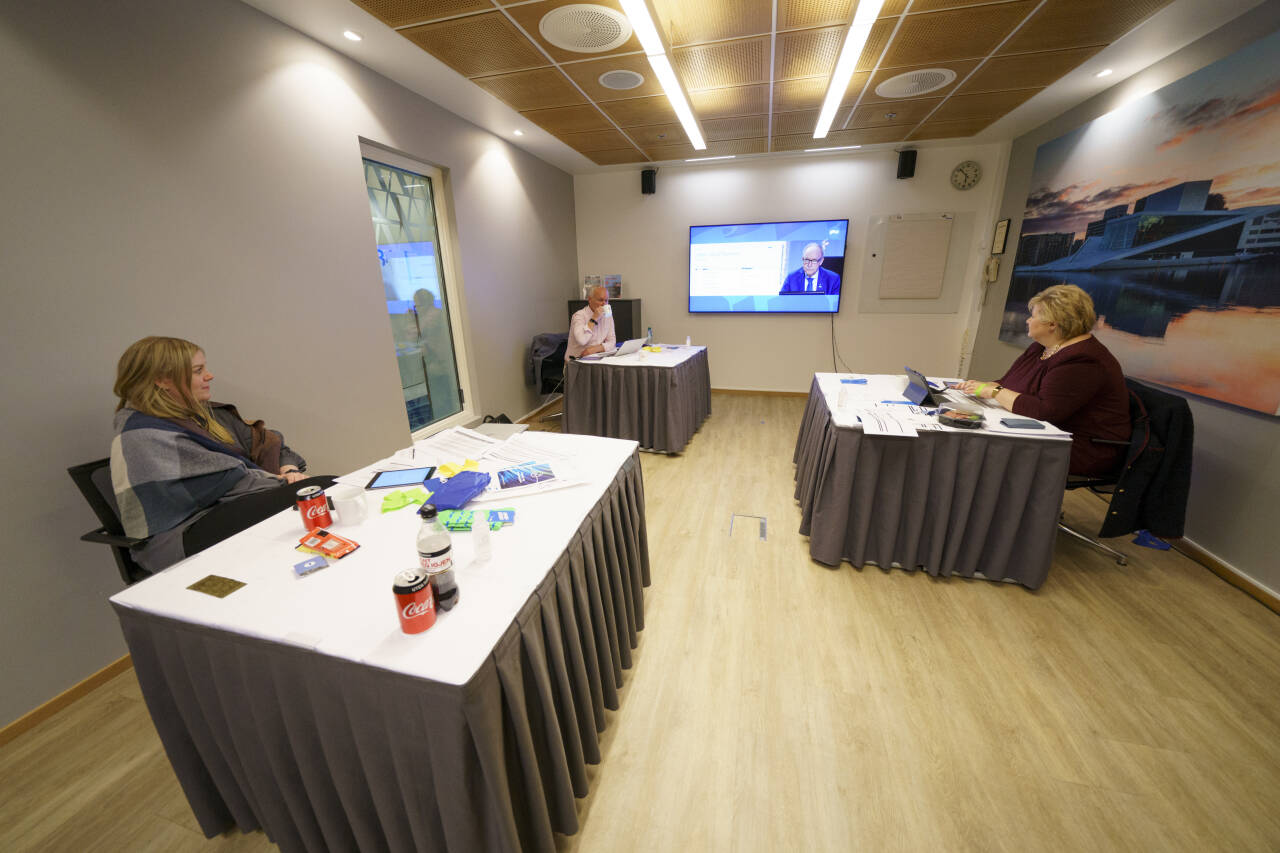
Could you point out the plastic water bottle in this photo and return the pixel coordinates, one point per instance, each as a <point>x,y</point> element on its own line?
<point>435,554</point>
<point>480,535</point>
<point>649,338</point>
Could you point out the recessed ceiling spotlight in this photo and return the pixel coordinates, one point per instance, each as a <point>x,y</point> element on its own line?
<point>890,115</point>
<point>835,148</point>
<point>519,133</point>
<point>1103,73</point>
<point>352,35</point>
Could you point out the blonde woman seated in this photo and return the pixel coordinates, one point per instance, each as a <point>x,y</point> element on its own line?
<point>1068,378</point>
<point>188,473</point>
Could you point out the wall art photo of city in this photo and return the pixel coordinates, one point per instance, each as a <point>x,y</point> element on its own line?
<point>1167,211</point>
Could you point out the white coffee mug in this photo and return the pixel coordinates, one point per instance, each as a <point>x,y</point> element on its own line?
<point>350,503</point>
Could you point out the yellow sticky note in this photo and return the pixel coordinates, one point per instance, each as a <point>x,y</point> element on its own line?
<point>449,469</point>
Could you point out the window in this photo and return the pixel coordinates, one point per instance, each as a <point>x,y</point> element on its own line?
<point>405,201</point>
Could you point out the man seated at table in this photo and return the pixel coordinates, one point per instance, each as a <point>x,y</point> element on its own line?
<point>591,328</point>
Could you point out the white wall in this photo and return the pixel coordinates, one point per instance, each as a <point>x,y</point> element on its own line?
<point>1235,485</point>
<point>645,238</point>
<point>193,169</point>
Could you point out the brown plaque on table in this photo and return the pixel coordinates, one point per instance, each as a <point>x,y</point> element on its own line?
<point>217,586</point>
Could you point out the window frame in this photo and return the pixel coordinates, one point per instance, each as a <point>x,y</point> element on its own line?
<point>450,271</point>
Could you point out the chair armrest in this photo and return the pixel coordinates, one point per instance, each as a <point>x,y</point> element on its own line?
<point>101,536</point>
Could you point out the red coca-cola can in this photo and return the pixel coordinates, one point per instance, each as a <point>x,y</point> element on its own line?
<point>415,602</point>
<point>314,507</point>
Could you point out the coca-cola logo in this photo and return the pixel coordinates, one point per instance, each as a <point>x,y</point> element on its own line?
<point>317,511</point>
<point>416,608</point>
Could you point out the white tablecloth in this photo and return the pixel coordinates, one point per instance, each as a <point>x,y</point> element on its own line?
<point>347,609</point>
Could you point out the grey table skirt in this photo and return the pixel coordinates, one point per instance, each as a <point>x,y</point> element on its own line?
<point>328,754</point>
<point>660,407</point>
<point>949,503</point>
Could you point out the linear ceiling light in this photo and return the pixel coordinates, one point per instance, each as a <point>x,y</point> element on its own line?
<point>667,77</point>
<point>638,14</point>
<point>705,159</point>
<point>656,52</point>
<point>859,30</point>
<point>833,148</point>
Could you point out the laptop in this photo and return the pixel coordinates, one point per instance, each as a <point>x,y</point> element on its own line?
<point>627,348</point>
<point>918,390</point>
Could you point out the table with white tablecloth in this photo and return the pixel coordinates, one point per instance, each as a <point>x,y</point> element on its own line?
<point>656,398</point>
<point>298,706</point>
<point>975,503</point>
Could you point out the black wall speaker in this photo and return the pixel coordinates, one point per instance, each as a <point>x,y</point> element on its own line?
<point>907,163</point>
<point>649,181</point>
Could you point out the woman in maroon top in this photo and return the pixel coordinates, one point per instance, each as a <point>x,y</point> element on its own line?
<point>1068,378</point>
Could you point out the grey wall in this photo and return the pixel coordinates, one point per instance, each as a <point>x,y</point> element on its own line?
<point>645,238</point>
<point>193,169</point>
<point>1236,481</point>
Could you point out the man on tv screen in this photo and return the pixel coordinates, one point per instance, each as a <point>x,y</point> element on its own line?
<point>811,277</point>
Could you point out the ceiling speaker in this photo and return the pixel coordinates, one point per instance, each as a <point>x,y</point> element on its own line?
<point>620,79</point>
<point>585,28</point>
<point>915,83</point>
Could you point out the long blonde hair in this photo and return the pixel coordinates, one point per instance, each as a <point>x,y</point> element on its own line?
<point>156,358</point>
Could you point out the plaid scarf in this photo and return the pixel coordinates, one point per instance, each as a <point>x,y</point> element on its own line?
<point>164,471</point>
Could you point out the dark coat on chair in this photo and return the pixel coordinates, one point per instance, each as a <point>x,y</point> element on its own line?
<point>1153,488</point>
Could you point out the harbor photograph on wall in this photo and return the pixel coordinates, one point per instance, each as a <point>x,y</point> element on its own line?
<point>1167,211</point>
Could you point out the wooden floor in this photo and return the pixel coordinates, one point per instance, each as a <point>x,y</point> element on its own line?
<point>777,704</point>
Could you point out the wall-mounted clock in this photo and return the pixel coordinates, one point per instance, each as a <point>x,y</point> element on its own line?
<point>966,175</point>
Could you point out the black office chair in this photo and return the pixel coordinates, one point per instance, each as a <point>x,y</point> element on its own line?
<point>1149,491</point>
<point>545,366</point>
<point>94,481</point>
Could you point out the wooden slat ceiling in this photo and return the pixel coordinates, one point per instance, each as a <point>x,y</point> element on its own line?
<point>757,70</point>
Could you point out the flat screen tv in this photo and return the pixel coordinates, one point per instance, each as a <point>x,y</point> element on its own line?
<point>767,267</point>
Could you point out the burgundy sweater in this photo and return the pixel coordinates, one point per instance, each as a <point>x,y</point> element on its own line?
<point>1079,389</point>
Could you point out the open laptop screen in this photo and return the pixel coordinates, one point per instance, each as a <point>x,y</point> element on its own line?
<point>917,390</point>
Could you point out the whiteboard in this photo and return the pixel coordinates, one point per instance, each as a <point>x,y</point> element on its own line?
<point>915,256</point>
<point>915,263</point>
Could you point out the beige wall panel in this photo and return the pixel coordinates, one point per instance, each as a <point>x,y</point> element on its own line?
<point>657,134</point>
<point>739,127</point>
<point>988,105</point>
<point>731,63</point>
<point>594,140</point>
<point>635,112</point>
<point>803,14</point>
<point>477,45</point>
<point>568,119</point>
<point>1080,23</point>
<point>808,53</point>
<point>958,34</point>
<point>950,129</point>
<point>895,112</point>
<point>687,23</point>
<point>400,13</point>
<point>730,101</point>
<point>532,90</point>
<point>617,156</point>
